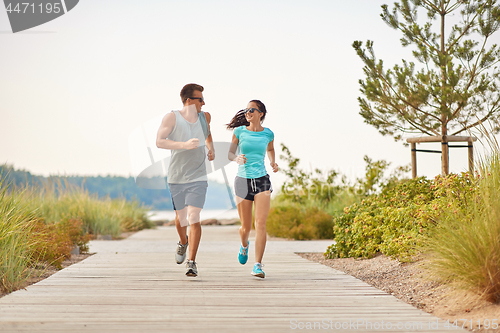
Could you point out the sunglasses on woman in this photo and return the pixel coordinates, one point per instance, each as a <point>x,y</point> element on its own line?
<point>251,110</point>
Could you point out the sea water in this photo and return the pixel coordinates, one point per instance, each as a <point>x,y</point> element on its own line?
<point>219,214</point>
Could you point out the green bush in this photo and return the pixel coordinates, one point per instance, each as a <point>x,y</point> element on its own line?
<point>292,221</point>
<point>302,186</point>
<point>394,221</point>
<point>54,242</point>
<point>308,197</point>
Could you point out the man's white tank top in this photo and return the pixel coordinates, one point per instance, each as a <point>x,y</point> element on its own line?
<point>187,166</point>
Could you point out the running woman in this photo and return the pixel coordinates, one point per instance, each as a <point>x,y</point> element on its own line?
<point>252,184</point>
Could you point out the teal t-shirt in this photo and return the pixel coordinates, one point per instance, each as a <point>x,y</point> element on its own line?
<point>254,146</point>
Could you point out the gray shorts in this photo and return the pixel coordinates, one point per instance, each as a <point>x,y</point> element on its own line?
<point>189,194</point>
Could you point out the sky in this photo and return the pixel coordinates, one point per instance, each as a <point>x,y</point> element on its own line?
<point>76,91</point>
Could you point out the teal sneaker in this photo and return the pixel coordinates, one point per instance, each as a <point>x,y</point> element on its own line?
<point>243,255</point>
<point>257,270</point>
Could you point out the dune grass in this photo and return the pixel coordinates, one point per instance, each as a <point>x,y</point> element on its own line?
<point>464,248</point>
<point>44,224</point>
<point>100,216</point>
<point>17,222</point>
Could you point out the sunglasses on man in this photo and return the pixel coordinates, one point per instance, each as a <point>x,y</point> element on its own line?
<point>198,98</point>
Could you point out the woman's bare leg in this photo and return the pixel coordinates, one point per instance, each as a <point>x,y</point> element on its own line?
<point>262,205</point>
<point>245,213</point>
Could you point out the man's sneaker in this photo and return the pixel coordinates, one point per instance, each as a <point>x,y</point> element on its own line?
<point>257,270</point>
<point>180,254</point>
<point>243,255</point>
<point>191,269</point>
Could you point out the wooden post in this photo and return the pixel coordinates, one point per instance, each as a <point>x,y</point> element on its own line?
<point>445,160</point>
<point>471,156</point>
<point>413,160</point>
<point>444,139</point>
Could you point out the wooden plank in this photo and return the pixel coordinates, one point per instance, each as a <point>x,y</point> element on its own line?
<point>439,138</point>
<point>148,292</point>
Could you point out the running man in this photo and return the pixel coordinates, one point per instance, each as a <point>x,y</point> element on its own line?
<point>185,133</point>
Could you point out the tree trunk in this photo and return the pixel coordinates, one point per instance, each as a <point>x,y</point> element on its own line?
<point>444,114</point>
<point>413,160</point>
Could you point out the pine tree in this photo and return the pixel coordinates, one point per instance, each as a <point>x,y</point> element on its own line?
<point>454,85</point>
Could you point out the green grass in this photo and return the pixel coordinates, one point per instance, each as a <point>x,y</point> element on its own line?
<point>464,249</point>
<point>102,216</point>
<point>17,222</point>
<point>43,224</point>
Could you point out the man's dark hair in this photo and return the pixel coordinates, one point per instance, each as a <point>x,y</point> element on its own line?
<point>188,89</point>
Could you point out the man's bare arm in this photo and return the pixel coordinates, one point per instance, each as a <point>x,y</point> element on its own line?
<point>209,141</point>
<point>166,127</point>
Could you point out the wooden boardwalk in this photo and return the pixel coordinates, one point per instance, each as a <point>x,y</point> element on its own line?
<point>135,289</point>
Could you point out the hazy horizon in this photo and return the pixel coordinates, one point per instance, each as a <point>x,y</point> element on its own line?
<point>74,90</point>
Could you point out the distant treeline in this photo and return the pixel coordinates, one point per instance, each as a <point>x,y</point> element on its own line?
<point>116,187</point>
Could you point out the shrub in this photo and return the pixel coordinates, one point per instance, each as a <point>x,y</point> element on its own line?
<point>394,221</point>
<point>302,186</point>
<point>295,222</point>
<point>54,241</point>
<point>325,191</point>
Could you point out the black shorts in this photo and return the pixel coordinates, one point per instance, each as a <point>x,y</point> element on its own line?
<point>247,188</point>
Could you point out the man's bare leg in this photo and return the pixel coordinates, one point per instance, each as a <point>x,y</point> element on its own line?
<point>194,239</point>
<point>181,230</point>
<point>181,224</point>
<point>193,215</point>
